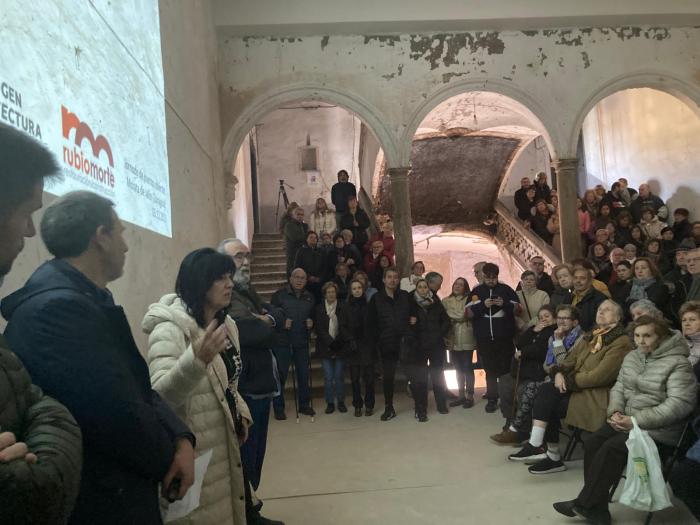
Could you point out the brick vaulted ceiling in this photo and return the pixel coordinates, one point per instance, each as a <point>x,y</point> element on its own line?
<point>454,177</point>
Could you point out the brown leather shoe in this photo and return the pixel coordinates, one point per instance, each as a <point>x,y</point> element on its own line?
<point>507,438</point>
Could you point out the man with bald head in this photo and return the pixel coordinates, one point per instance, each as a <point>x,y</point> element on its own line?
<point>647,199</point>
<point>693,261</point>
<point>259,381</point>
<point>297,305</point>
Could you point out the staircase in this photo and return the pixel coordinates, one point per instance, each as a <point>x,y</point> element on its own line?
<point>269,267</point>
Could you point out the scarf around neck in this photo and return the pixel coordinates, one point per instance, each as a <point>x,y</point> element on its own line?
<point>332,319</point>
<point>694,345</point>
<point>569,340</point>
<point>597,337</point>
<point>639,288</point>
<point>424,301</point>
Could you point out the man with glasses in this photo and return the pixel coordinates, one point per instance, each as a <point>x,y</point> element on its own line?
<point>259,381</point>
<point>544,281</point>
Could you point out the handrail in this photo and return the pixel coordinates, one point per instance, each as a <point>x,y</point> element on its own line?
<point>520,241</point>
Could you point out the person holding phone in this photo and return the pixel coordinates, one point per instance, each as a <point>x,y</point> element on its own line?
<point>194,360</point>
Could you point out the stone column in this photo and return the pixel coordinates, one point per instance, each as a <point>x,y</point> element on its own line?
<point>401,216</point>
<point>568,216</point>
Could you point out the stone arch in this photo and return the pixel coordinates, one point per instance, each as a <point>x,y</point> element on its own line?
<point>266,102</point>
<point>662,81</point>
<point>542,121</point>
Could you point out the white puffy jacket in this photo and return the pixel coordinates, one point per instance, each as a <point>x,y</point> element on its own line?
<point>197,394</point>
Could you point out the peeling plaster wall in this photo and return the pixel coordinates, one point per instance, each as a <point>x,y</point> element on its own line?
<point>369,151</point>
<point>281,134</point>
<point>196,181</point>
<point>398,78</point>
<point>645,135</point>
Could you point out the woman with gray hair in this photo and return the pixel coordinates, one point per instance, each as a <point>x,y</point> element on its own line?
<point>645,307</point>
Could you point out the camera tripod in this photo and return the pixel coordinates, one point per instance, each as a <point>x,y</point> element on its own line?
<point>282,194</point>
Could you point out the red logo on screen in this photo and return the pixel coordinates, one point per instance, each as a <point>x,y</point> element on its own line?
<point>73,154</point>
<point>82,131</point>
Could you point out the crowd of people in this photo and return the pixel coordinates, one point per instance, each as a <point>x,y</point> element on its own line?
<point>91,432</point>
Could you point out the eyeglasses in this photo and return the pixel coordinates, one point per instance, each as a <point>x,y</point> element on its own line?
<point>242,256</point>
<point>563,318</point>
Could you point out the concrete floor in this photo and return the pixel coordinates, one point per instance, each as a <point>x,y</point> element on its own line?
<point>344,470</point>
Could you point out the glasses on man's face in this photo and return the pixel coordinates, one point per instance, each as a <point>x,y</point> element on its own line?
<point>242,256</point>
<point>563,318</point>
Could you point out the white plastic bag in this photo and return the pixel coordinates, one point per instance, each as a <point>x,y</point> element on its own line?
<point>645,487</point>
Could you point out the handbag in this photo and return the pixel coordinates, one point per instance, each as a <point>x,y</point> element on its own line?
<point>645,486</point>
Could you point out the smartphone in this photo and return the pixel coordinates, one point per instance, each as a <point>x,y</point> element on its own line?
<point>220,317</point>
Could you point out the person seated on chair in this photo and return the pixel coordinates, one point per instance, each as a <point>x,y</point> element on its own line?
<point>579,390</point>
<point>526,375</point>
<point>657,387</point>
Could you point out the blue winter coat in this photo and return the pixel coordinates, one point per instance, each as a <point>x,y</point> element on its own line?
<point>298,309</point>
<point>77,346</point>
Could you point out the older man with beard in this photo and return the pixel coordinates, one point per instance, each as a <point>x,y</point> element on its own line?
<point>259,381</point>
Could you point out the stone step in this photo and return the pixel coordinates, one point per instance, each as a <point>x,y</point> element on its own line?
<point>268,242</point>
<point>269,268</point>
<point>257,252</point>
<point>269,257</point>
<point>267,237</point>
<point>268,276</point>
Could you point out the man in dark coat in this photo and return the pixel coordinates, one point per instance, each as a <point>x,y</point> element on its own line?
<point>520,196</point>
<point>387,321</point>
<point>77,345</point>
<point>493,308</point>
<point>314,262</point>
<point>294,236</point>
<point>646,199</point>
<point>340,193</point>
<point>259,380</point>
<point>40,442</point>
<point>586,298</point>
<point>357,221</point>
<point>297,305</point>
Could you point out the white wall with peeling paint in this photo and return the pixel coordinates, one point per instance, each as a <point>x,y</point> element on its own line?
<point>393,81</point>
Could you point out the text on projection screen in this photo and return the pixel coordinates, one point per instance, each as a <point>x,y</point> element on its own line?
<point>86,79</point>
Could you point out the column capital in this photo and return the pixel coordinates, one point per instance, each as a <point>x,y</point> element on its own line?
<point>396,173</point>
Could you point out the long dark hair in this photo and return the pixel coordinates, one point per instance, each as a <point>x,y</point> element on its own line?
<point>198,271</point>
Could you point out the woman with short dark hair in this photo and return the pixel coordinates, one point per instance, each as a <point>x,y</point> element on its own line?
<point>647,283</point>
<point>194,361</point>
<point>657,387</point>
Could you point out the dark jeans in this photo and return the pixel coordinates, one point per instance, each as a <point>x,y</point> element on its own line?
<point>464,368</point>
<point>388,374</point>
<point>550,406</point>
<point>495,356</point>
<point>366,374</point>
<point>334,380</point>
<point>284,357</point>
<point>605,455</point>
<point>253,450</point>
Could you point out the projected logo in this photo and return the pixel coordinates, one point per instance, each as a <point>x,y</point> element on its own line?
<point>87,163</point>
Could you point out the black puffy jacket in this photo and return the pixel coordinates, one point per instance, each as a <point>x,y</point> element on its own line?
<point>432,326</point>
<point>533,348</point>
<point>387,320</point>
<point>360,344</point>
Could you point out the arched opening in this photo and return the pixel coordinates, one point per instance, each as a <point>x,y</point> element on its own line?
<point>303,143</point>
<point>469,152</point>
<point>645,135</point>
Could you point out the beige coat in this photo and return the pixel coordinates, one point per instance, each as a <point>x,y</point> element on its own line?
<point>657,389</point>
<point>197,394</point>
<point>461,336</point>
<point>590,375</point>
<point>531,304</point>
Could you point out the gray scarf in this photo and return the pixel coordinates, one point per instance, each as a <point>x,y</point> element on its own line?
<point>639,288</point>
<point>424,301</point>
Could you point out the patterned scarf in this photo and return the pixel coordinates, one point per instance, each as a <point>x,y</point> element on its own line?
<point>639,288</point>
<point>332,319</point>
<point>597,337</point>
<point>569,341</point>
<point>424,301</point>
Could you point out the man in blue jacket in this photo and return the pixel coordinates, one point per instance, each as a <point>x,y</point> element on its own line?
<point>297,303</point>
<point>493,308</point>
<point>77,345</point>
